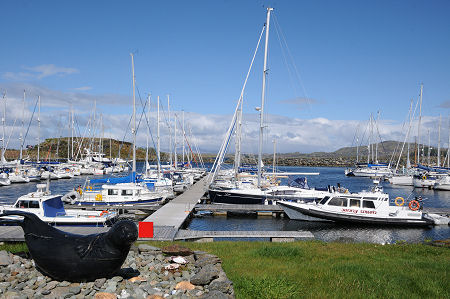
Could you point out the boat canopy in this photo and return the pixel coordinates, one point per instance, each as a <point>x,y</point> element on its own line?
<point>116,180</point>
<point>436,169</point>
<point>53,207</point>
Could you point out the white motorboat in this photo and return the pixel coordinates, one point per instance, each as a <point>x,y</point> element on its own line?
<point>402,180</point>
<point>18,177</point>
<point>4,180</point>
<point>121,194</point>
<point>363,208</point>
<point>49,208</point>
<point>442,183</point>
<point>425,180</point>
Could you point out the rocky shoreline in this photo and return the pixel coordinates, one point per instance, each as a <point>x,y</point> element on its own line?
<point>148,272</point>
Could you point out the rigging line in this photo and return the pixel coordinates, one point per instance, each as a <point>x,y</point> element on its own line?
<point>292,59</point>
<point>146,119</point>
<point>29,124</point>
<point>364,134</point>
<point>285,60</point>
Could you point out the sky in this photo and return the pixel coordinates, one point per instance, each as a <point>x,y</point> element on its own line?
<point>331,64</point>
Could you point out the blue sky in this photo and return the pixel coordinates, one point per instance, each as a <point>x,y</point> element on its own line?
<point>354,58</point>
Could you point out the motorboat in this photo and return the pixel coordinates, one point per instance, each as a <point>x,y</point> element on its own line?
<point>4,180</point>
<point>49,208</point>
<point>401,180</point>
<point>425,180</point>
<point>18,177</point>
<point>442,183</point>
<point>120,191</point>
<point>362,208</point>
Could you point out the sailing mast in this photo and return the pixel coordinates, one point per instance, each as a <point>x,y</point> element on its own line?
<point>3,124</point>
<point>183,134</point>
<point>134,117</point>
<point>376,144</point>
<point>147,166</point>
<point>237,154</point>
<point>23,126</point>
<point>158,145</point>
<point>39,126</point>
<point>439,144</point>
<point>274,153</point>
<point>263,94</point>
<point>170,130</point>
<point>175,141</point>
<point>72,124</point>
<point>418,127</point>
<point>68,140</point>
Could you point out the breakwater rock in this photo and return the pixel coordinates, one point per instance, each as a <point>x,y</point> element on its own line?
<point>148,272</point>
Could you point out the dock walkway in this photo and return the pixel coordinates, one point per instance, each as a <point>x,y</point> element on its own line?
<point>169,218</point>
<point>275,236</point>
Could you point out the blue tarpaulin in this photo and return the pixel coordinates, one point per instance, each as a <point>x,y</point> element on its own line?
<point>115,180</point>
<point>53,207</point>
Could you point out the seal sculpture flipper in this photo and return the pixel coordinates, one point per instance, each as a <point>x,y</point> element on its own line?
<point>72,257</point>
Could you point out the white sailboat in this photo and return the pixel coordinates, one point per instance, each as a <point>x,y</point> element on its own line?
<point>120,190</point>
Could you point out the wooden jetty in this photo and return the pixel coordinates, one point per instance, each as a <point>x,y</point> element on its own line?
<point>169,218</point>
<point>274,236</point>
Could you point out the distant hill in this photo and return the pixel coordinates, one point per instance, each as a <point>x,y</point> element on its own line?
<point>54,148</point>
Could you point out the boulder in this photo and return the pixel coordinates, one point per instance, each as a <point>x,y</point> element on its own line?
<point>103,295</point>
<point>205,275</point>
<point>148,249</point>
<point>184,286</point>
<point>177,250</point>
<point>5,259</point>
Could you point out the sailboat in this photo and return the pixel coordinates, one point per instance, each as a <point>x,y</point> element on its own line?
<point>116,190</point>
<point>248,188</point>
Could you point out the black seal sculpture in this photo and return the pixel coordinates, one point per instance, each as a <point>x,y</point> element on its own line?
<point>65,256</point>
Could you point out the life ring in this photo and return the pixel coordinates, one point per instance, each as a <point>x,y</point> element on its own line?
<point>104,212</point>
<point>414,205</point>
<point>98,197</point>
<point>398,199</point>
<point>424,177</point>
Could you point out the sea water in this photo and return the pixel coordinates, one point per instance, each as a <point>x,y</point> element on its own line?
<point>322,231</point>
<point>340,232</point>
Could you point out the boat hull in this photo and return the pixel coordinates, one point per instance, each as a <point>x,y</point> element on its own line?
<point>218,196</point>
<point>347,218</point>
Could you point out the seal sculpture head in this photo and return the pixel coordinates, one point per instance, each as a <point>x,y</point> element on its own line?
<point>71,257</point>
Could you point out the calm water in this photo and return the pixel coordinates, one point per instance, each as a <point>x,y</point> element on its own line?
<point>322,231</point>
<point>336,232</point>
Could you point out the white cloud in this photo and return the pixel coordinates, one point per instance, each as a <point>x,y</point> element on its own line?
<point>208,130</point>
<point>83,88</point>
<point>39,72</point>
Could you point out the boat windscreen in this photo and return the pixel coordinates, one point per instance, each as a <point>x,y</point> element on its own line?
<point>53,207</point>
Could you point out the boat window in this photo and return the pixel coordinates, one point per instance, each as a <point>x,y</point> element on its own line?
<point>324,200</point>
<point>368,204</point>
<point>355,203</point>
<point>22,204</point>
<point>127,192</point>
<point>338,201</point>
<point>113,192</point>
<point>34,204</point>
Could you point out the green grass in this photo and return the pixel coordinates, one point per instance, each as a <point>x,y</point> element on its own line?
<point>317,269</point>
<point>332,270</point>
<point>14,247</point>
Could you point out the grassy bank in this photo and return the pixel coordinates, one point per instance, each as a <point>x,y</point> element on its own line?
<point>331,270</point>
